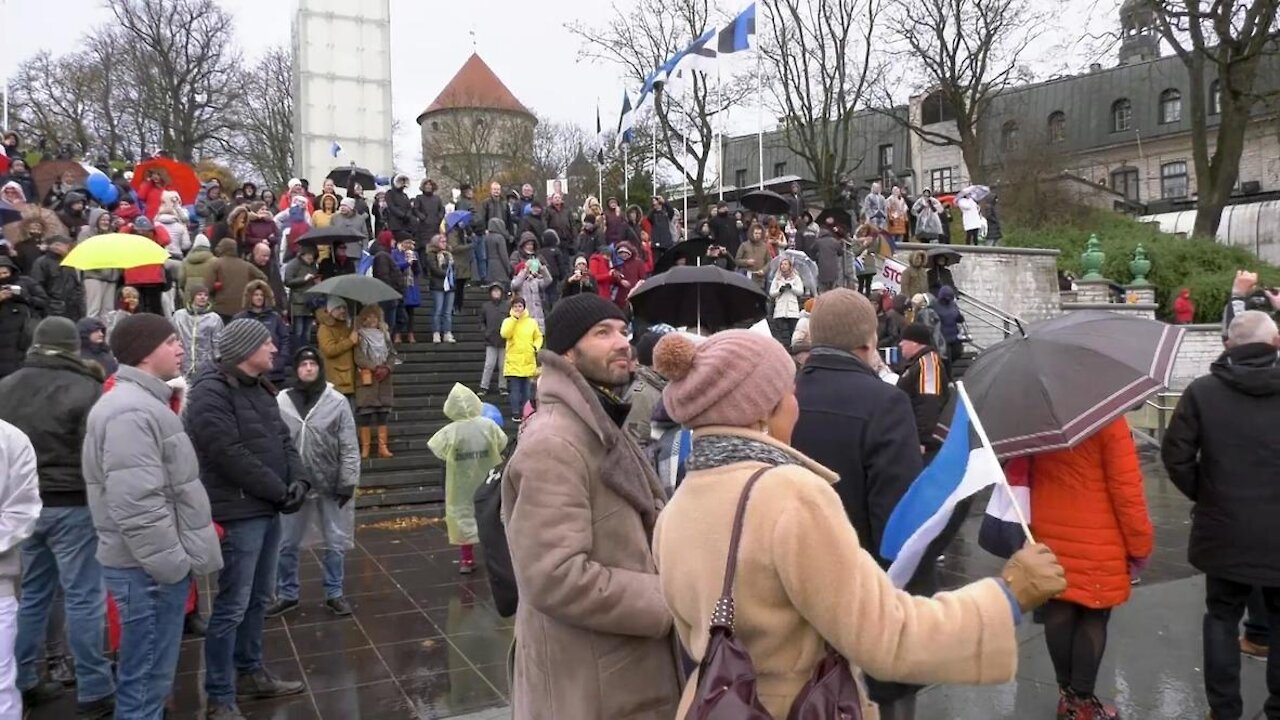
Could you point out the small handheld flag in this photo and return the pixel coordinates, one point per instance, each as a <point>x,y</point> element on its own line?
<point>334,149</point>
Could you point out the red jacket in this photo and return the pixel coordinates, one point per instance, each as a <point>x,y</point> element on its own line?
<point>1184,311</point>
<point>633,272</point>
<point>149,195</point>
<point>600,266</point>
<point>1087,504</point>
<point>148,274</point>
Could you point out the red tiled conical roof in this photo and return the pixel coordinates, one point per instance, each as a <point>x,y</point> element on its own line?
<point>475,86</point>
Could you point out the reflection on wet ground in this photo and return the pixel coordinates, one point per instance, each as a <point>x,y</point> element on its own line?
<point>426,643</point>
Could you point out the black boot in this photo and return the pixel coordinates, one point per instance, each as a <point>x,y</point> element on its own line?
<point>194,625</point>
<point>261,685</point>
<point>101,709</point>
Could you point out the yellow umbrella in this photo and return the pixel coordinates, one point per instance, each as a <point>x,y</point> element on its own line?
<point>115,251</point>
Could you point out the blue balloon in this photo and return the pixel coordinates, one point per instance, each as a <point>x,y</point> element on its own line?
<point>98,186</point>
<point>492,412</point>
<point>113,194</point>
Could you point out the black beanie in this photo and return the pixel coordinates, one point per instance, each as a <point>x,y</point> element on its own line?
<point>572,317</point>
<point>137,336</point>
<point>918,333</point>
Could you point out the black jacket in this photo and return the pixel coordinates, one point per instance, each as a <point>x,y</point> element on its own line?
<point>491,316</point>
<point>660,219</point>
<point>494,208</point>
<point>925,381</point>
<point>559,220</point>
<point>724,232</point>
<point>400,219</point>
<point>61,284</point>
<point>384,269</point>
<point>558,262</point>
<point>429,211</point>
<point>18,317</point>
<point>534,224</point>
<point>246,454</point>
<point>49,399</point>
<point>1220,452</point>
<point>861,427</point>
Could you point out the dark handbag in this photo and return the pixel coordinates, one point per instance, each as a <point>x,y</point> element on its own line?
<point>727,677</point>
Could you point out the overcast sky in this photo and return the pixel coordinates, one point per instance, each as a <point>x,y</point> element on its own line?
<point>525,43</point>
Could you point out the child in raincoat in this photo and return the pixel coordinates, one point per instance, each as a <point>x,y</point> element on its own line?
<point>470,447</point>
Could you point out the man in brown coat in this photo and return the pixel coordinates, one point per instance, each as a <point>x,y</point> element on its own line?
<point>593,634</point>
<point>229,278</point>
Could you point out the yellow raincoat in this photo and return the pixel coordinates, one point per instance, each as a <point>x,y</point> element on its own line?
<point>470,447</point>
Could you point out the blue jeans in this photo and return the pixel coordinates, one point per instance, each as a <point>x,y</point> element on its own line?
<point>62,551</point>
<point>233,643</point>
<point>481,255</point>
<point>389,313</point>
<point>293,527</point>
<point>441,311</point>
<point>151,617</point>
<point>521,389</point>
<point>302,330</point>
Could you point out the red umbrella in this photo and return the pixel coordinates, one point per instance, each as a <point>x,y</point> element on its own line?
<point>179,177</point>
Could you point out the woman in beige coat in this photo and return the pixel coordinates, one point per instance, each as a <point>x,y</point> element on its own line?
<point>802,579</point>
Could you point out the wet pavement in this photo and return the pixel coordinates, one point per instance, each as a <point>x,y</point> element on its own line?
<point>425,642</point>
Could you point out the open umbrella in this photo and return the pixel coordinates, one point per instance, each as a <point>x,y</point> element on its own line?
<point>47,172</point>
<point>9,213</point>
<point>460,217</point>
<point>804,266</point>
<point>840,215</point>
<point>178,177</point>
<point>706,296</point>
<point>1066,378</point>
<point>331,235</point>
<point>977,193</point>
<point>357,288</point>
<point>346,177</point>
<point>115,251</point>
<point>952,256</point>
<point>765,201</point>
<point>690,251</point>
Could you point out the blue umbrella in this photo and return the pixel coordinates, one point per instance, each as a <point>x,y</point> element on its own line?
<point>456,218</point>
<point>9,213</point>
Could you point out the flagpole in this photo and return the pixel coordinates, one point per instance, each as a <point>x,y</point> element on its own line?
<point>986,442</point>
<point>626,180</point>
<point>760,112</point>
<point>720,141</point>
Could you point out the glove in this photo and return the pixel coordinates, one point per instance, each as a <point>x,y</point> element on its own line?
<point>1034,576</point>
<point>295,497</point>
<point>343,496</point>
<point>1138,565</point>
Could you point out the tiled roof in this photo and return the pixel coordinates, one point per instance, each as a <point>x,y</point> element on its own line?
<point>475,86</point>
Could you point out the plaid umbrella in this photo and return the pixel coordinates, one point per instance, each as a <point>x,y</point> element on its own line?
<point>1064,379</point>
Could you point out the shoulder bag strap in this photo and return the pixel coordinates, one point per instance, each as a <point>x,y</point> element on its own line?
<point>722,616</point>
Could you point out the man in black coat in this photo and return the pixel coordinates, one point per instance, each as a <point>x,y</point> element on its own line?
<point>660,219</point>
<point>724,230</point>
<point>534,222</point>
<point>22,303</point>
<point>400,218</point>
<point>49,399</point>
<point>1220,452</point>
<point>925,381</point>
<point>559,218</point>
<point>862,428</point>
<point>252,472</point>
<point>494,207</point>
<point>61,284</point>
<point>428,210</point>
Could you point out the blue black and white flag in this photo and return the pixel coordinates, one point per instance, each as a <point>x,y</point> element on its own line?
<point>736,37</point>
<point>626,121</point>
<point>334,149</point>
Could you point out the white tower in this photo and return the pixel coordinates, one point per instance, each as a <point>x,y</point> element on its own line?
<point>341,87</point>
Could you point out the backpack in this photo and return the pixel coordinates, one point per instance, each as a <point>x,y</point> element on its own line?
<point>493,538</point>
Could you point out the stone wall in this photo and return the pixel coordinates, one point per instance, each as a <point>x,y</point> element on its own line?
<point>1200,347</point>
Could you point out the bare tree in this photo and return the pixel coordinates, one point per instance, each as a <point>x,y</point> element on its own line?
<point>640,37</point>
<point>187,70</point>
<point>1228,41</point>
<point>817,54</point>
<point>263,138</point>
<point>555,145</point>
<point>968,51</point>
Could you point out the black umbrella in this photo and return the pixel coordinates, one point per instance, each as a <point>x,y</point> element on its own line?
<point>952,256</point>
<point>840,215</point>
<point>706,296</point>
<point>358,288</point>
<point>765,201</point>
<point>331,235</point>
<point>689,250</point>
<point>1066,378</point>
<point>346,177</point>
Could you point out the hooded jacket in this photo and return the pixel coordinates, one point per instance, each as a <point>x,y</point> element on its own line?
<point>632,270</point>
<point>495,244</point>
<point>196,268</point>
<point>470,446</point>
<point>99,353</point>
<point>325,437</point>
<point>491,316</point>
<point>827,253</point>
<point>198,330</point>
<point>230,276</point>
<point>524,340</point>
<point>429,209</point>
<point>179,235</point>
<point>461,243</point>
<point>18,317</point>
<point>61,284</point>
<point>19,502</point>
<point>275,324</point>
<point>556,261</point>
<point>49,399</point>
<point>530,286</point>
<point>1184,311</point>
<point>915,279</point>
<point>1219,451</point>
<point>949,315</point>
<point>560,220</point>
<point>334,339</point>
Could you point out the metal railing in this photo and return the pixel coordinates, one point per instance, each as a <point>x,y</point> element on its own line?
<point>1162,407</point>
<point>990,315</point>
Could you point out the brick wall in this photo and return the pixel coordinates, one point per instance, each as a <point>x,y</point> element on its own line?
<point>1200,347</point>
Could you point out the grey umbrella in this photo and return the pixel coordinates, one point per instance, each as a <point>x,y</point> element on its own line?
<point>1066,378</point>
<point>358,288</point>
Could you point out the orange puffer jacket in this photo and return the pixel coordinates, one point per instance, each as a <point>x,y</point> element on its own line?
<point>1087,504</point>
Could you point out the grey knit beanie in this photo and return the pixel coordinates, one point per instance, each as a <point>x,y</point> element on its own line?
<point>241,339</point>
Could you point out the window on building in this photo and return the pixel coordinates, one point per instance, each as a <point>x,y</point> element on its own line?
<point>886,157</point>
<point>941,180</point>
<point>1057,126</point>
<point>1173,180</point>
<point>779,169</point>
<point>1009,136</point>
<point>1215,97</point>
<point>935,109</point>
<point>1170,106</point>
<point>1121,115</point>
<point>1125,182</point>
<point>435,126</point>
<point>740,178</point>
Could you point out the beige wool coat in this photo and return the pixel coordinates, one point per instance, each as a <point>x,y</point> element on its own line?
<point>802,579</point>
<point>593,635</point>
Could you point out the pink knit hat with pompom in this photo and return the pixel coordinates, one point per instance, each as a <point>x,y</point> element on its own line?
<point>735,378</point>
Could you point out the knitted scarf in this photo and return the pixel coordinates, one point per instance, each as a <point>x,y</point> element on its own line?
<point>713,451</point>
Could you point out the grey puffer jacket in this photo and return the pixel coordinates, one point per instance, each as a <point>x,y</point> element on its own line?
<point>140,470</point>
<point>326,441</point>
<point>19,503</point>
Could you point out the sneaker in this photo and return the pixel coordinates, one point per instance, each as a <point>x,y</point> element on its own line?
<point>41,693</point>
<point>503,393</point>
<point>100,709</point>
<point>1068,705</point>
<point>448,337</point>
<point>280,607</point>
<point>1253,649</point>
<point>339,606</point>
<point>466,568</point>
<point>62,671</point>
<point>435,337</point>
<point>223,712</point>
<point>194,625</point>
<point>262,685</point>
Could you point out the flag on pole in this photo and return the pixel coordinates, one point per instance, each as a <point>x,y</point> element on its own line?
<point>1001,531</point>
<point>700,56</point>
<point>626,121</point>
<point>334,149</point>
<point>599,138</point>
<point>736,37</point>
<point>959,470</point>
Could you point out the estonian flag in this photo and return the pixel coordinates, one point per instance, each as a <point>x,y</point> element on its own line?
<point>626,121</point>
<point>958,471</point>
<point>700,55</point>
<point>334,149</point>
<point>736,37</point>
<point>1001,531</point>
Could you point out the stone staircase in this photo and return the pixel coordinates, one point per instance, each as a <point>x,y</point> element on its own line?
<point>414,475</point>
